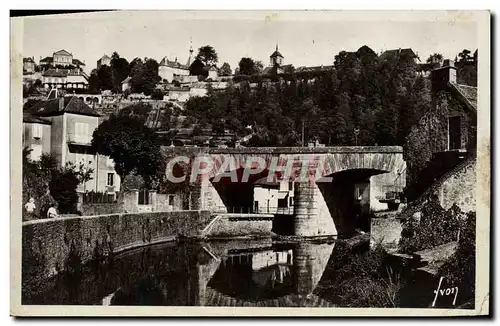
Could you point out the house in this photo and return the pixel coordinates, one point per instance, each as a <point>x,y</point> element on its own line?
<point>29,65</point>
<point>126,83</point>
<point>104,61</point>
<point>212,72</point>
<point>398,53</point>
<point>63,127</point>
<point>446,133</point>
<point>65,78</point>
<point>273,196</point>
<point>167,69</point>
<point>61,58</point>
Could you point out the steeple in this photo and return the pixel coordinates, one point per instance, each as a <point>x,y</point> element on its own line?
<point>276,57</point>
<point>190,52</point>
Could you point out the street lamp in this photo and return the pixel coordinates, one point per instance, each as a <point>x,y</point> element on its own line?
<point>356,133</point>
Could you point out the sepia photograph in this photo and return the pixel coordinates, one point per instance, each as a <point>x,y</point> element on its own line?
<point>250,163</point>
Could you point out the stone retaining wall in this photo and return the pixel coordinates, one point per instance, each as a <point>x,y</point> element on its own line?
<point>62,244</point>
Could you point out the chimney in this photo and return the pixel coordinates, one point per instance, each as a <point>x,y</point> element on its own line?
<point>442,76</point>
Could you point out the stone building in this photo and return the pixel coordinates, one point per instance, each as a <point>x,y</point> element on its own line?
<point>63,127</point>
<point>29,65</point>
<point>446,134</point>
<point>62,58</point>
<point>276,66</point>
<point>105,60</point>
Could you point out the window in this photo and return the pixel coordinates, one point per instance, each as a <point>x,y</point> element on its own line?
<point>37,131</point>
<point>36,152</point>
<point>82,132</point>
<point>144,197</point>
<point>111,179</point>
<point>454,133</point>
<point>171,200</point>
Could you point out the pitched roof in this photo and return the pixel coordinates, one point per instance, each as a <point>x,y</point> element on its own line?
<point>48,59</point>
<point>314,68</point>
<point>407,51</point>
<point>468,94</point>
<point>56,72</point>
<point>71,104</point>
<point>78,62</point>
<point>276,54</point>
<point>29,118</point>
<point>173,64</point>
<point>28,59</point>
<point>62,52</point>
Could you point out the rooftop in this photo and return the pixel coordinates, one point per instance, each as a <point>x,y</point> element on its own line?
<point>71,104</point>
<point>468,93</point>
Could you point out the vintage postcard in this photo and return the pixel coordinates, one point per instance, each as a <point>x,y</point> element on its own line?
<point>250,163</point>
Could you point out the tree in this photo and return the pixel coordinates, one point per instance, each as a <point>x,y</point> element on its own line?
<point>435,58</point>
<point>197,68</point>
<point>225,69</point>
<point>120,69</point>
<point>259,67</point>
<point>144,75</point>
<point>247,66</point>
<point>131,145</point>
<point>207,55</point>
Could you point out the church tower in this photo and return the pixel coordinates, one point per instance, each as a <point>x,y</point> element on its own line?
<point>276,58</point>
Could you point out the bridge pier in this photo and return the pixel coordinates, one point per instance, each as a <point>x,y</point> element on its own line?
<point>311,215</point>
<point>305,208</point>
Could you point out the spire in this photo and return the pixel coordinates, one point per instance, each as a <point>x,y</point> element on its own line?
<point>190,51</point>
<point>277,47</point>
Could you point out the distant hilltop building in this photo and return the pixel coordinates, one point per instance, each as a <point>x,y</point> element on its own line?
<point>399,52</point>
<point>168,69</point>
<point>62,58</point>
<point>276,66</point>
<point>105,60</point>
<point>29,65</point>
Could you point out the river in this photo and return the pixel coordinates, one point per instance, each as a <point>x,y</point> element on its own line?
<point>247,273</point>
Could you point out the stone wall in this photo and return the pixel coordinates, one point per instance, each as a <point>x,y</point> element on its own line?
<point>102,208</point>
<point>233,226</point>
<point>458,187</point>
<point>51,246</point>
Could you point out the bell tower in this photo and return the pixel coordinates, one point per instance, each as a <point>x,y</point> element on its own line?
<point>276,58</point>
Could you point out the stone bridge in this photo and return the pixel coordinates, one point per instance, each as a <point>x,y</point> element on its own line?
<point>331,190</point>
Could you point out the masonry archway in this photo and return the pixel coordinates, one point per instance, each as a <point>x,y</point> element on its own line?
<point>347,196</point>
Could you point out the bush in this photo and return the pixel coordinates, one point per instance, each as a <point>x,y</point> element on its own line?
<point>63,188</point>
<point>461,266</point>
<point>157,94</point>
<point>360,279</point>
<point>436,227</point>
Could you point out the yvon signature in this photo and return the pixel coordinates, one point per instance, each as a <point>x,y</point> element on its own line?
<point>445,292</point>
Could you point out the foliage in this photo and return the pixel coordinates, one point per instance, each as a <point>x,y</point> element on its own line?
<point>120,70</point>
<point>360,279</point>
<point>197,68</point>
<point>467,68</point>
<point>63,186</point>
<point>207,55</point>
<point>461,266</point>
<point>126,139</point>
<point>144,75</point>
<point>247,66</point>
<point>435,226</point>
<point>157,94</point>
<point>48,183</point>
<point>225,69</point>
<point>381,97</point>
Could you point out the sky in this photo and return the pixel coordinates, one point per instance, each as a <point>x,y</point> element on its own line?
<point>304,38</point>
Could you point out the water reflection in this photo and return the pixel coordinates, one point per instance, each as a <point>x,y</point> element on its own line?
<point>222,273</point>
